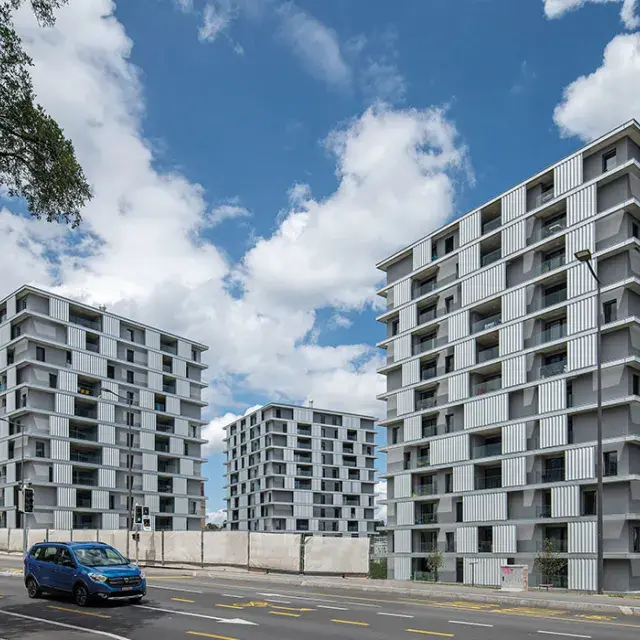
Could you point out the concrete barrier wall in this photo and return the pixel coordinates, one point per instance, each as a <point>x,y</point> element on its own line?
<point>226,548</point>
<point>183,547</point>
<point>275,551</point>
<point>4,540</point>
<point>336,555</point>
<point>149,547</point>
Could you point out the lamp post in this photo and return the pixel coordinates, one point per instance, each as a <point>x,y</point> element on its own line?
<point>585,257</point>
<point>129,465</point>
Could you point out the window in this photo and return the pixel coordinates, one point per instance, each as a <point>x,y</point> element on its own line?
<point>448,364</point>
<point>129,397</point>
<point>448,304</point>
<point>50,474</point>
<point>186,448</point>
<point>448,483</point>
<point>53,380</point>
<point>395,327</point>
<point>129,439</point>
<point>11,449</point>
<point>636,539</point>
<point>609,311</point>
<point>451,545</point>
<point>636,384</point>
<point>21,304</point>
<point>130,377</point>
<point>589,504</point>
<point>448,245</point>
<point>68,357</point>
<point>39,449</point>
<point>570,429</point>
<point>395,435</point>
<point>635,230</point>
<point>10,356</point>
<point>609,160</point>
<point>40,354</point>
<point>130,335</point>
<point>111,371</point>
<point>16,331</point>
<point>610,463</point>
<point>448,422</point>
<point>459,511</point>
<point>194,355</point>
<point>129,355</point>
<point>129,418</point>
<point>112,503</point>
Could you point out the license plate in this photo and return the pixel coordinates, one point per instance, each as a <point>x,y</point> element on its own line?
<point>127,588</point>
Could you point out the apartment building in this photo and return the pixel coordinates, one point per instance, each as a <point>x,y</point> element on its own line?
<point>491,384</point>
<point>299,469</point>
<point>93,408</point>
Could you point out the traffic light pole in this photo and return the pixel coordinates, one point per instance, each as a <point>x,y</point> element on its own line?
<point>25,527</point>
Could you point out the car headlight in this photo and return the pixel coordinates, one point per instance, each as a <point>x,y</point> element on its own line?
<point>98,577</point>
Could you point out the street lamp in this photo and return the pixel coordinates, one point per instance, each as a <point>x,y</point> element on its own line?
<point>585,256</point>
<point>129,464</point>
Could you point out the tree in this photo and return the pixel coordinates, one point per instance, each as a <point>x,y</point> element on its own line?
<point>211,526</point>
<point>435,562</point>
<point>549,563</point>
<point>37,162</point>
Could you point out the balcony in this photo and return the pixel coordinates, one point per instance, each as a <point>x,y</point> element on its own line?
<point>84,479</point>
<point>160,406</point>
<point>549,265</point>
<point>426,517</point>
<point>426,403</point>
<point>426,546</point>
<point>488,354</point>
<point>169,388</point>
<point>165,487</point>
<point>480,388</point>
<point>429,430</point>
<point>426,373</point>
<point>88,390</point>
<point>427,315</point>
<point>307,473</point>
<point>162,447</point>
<point>485,546</point>
<point>486,323</point>
<point>554,298</point>
<point>487,450</point>
<point>489,482</point>
<point>77,433</point>
<point>85,322</point>
<point>553,475</point>
<point>86,412</point>
<point>554,332</point>
<point>430,489</point>
<point>422,461</point>
<point>491,225</point>
<point>553,368</point>
<point>559,545</point>
<point>544,511</point>
<point>424,288</point>
<point>552,228</point>
<point>491,257</point>
<point>85,456</point>
<point>427,345</point>
<point>169,348</point>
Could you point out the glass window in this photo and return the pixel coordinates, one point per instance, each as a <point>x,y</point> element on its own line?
<point>99,557</point>
<point>609,160</point>
<point>40,354</point>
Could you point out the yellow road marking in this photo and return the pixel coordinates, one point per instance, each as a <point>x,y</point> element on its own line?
<point>183,600</point>
<point>81,613</point>
<point>254,603</point>
<point>431,633</point>
<point>228,606</point>
<point>359,624</point>
<point>209,635</point>
<point>290,608</point>
<point>282,613</point>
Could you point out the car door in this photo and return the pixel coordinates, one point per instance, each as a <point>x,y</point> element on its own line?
<point>43,565</point>
<point>64,571</point>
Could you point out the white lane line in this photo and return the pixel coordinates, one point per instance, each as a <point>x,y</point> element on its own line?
<point>232,595</point>
<point>566,635</point>
<point>277,601</point>
<point>360,604</point>
<point>356,604</point>
<point>155,586</point>
<point>104,634</point>
<point>470,624</point>
<point>324,606</point>
<point>195,615</point>
<point>394,615</point>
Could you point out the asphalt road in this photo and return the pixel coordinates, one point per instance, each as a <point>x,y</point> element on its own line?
<point>181,607</point>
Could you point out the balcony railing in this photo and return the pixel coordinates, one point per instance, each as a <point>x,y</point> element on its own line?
<point>426,546</point>
<point>426,517</point>
<point>491,257</point>
<point>426,316</point>
<point>83,434</point>
<point>84,412</point>
<point>160,407</point>
<point>559,545</point>
<point>552,228</point>
<point>429,431</point>
<point>426,403</point>
<point>165,488</point>
<point>485,546</point>
<point>553,475</point>
<point>554,298</point>
<point>87,390</point>
<point>544,511</point>
<point>553,369</point>
<point>489,482</point>
<point>169,348</point>
<point>545,197</point>
<point>84,456</point>
<point>83,503</point>
<point>487,450</point>
<point>549,265</point>
<point>87,481</point>
<point>486,323</point>
<point>429,489</point>
<point>167,368</point>
<point>427,345</point>
<point>168,388</point>
<point>84,322</point>
<point>427,373</point>
<point>162,447</point>
<point>488,354</point>
<point>480,388</point>
<point>491,225</point>
<point>424,288</point>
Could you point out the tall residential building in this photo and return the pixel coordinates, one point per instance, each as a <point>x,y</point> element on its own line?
<point>91,406</point>
<point>491,358</point>
<point>300,469</point>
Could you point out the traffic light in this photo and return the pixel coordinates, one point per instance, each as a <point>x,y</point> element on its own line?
<point>26,500</point>
<point>138,516</point>
<point>146,519</point>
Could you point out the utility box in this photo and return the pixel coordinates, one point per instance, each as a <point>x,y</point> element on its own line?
<point>514,577</point>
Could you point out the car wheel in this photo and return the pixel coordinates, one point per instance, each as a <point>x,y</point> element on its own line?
<point>33,590</point>
<point>81,595</point>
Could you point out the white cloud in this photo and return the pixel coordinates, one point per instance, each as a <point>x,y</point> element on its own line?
<point>628,11</point>
<point>216,19</point>
<point>214,431</point>
<point>381,80</point>
<point>217,517</point>
<point>314,43</point>
<point>380,493</point>
<point>596,103</point>
<point>339,321</point>
<point>185,5</point>
<point>227,211</point>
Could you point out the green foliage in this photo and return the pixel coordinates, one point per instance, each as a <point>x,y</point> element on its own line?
<point>378,569</point>
<point>37,162</point>
<point>435,561</point>
<point>549,563</point>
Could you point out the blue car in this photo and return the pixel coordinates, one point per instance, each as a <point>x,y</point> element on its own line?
<point>86,570</point>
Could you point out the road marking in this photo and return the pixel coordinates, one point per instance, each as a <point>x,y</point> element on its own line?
<point>323,606</point>
<point>471,624</point>
<point>232,595</point>
<point>395,615</point>
<point>104,634</point>
<point>194,615</point>
<point>81,613</point>
<point>278,601</point>
<point>567,635</point>
<point>359,624</point>
<point>229,606</point>
<point>208,635</point>
<point>183,600</point>
<point>431,633</point>
<point>290,608</point>
<point>283,613</point>
<point>156,586</point>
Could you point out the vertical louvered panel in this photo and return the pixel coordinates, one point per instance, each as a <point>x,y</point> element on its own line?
<point>451,449</point>
<point>565,501</point>
<point>67,381</point>
<point>87,363</point>
<point>459,387</point>
<point>59,426</point>
<point>581,352</point>
<point>407,318</point>
<point>511,339</point>
<point>106,434</point>
<point>581,238</point>
<point>469,259</point>
<point>184,349</point>
<point>463,478</point>
<point>180,368</point>
<point>64,404</point>
<point>76,337</point>
<point>100,499</point>
<point>552,396</point>
<point>401,568</point>
<point>484,411</point>
<point>402,485</point>
<point>110,457</point>
<point>458,325</point>
<point>567,175</point>
<point>514,204</point>
<point>404,513</point>
<point>581,205</point>
<point>583,537</point>
<point>106,412</point>
<point>402,348</point>
<point>66,497</point>
<point>514,304</point>
<point>514,238</point>
<point>485,284</point>
<point>402,541</point>
<point>470,228</point>
<point>553,431</point>
<point>186,467</point>
<point>60,449</point>
<point>155,361</point>
<point>412,428</point>
<point>466,540</point>
<point>175,446</point>
<point>579,463</point>
<point>514,438</point>
<point>59,309</point>
<point>147,399</point>
<point>148,420</point>
<point>582,574</point>
<point>62,520</point>
<point>402,292</point>
<point>62,473</point>
<point>405,402</point>
<point>514,371</point>
<point>111,326</point>
<point>152,339</point>
<point>154,381</point>
<point>484,507</point>
<point>147,440</point>
<point>410,372</point>
<point>504,538</point>
<point>149,482</point>
<point>153,502</point>
<point>181,427</point>
<point>149,461</point>
<point>483,571</point>
<point>108,347</point>
<point>422,254</point>
<point>11,477</point>
<point>581,315</point>
<point>514,472</point>
<point>173,405</point>
<point>183,388</point>
<point>464,354</point>
<point>107,478</point>
<point>110,521</point>
<point>579,281</point>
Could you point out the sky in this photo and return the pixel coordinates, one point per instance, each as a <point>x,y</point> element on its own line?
<point>252,160</point>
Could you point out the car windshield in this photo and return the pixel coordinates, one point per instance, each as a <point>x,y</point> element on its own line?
<point>99,557</point>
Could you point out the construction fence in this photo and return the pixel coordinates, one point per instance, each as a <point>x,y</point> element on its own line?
<point>280,552</point>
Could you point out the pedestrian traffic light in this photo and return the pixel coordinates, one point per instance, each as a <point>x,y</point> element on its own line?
<point>28,497</point>
<point>138,516</point>
<point>146,519</point>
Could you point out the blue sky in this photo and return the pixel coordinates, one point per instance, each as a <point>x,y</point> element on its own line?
<point>252,160</point>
